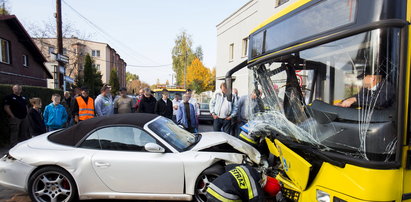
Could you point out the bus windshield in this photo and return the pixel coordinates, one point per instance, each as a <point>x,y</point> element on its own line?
<point>339,97</point>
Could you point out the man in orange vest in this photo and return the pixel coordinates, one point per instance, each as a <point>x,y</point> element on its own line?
<point>83,106</point>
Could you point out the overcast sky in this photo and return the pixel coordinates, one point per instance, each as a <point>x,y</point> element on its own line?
<point>142,32</point>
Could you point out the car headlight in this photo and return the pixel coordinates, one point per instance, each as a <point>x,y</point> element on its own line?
<point>323,196</point>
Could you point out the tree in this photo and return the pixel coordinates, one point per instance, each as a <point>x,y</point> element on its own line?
<point>88,75</point>
<point>198,76</point>
<point>3,9</point>
<point>131,77</point>
<point>135,85</point>
<point>182,55</point>
<point>92,77</point>
<point>199,53</point>
<point>114,81</point>
<point>210,80</point>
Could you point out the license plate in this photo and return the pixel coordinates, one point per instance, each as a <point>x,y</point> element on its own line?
<point>205,113</point>
<point>290,194</point>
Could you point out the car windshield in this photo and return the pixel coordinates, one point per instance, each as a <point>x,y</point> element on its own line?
<point>177,137</point>
<point>338,97</point>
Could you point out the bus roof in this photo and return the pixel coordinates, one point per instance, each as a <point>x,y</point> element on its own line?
<point>169,89</point>
<point>281,13</point>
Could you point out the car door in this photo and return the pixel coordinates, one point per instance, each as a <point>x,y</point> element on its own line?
<point>125,166</point>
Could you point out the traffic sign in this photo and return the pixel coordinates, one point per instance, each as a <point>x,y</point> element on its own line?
<point>69,79</point>
<point>62,58</point>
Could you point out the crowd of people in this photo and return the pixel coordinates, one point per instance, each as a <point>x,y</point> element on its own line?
<point>26,119</point>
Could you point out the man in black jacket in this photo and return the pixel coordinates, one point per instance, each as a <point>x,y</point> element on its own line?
<point>164,106</point>
<point>148,102</point>
<point>376,92</point>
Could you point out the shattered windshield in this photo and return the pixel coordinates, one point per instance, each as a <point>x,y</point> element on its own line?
<point>339,97</point>
<point>173,134</point>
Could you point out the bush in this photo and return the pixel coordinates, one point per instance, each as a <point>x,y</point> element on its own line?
<point>29,92</point>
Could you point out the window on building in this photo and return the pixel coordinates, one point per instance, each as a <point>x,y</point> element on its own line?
<point>231,52</point>
<point>280,2</point>
<point>245,48</point>
<point>25,60</point>
<point>51,49</point>
<point>95,53</point>
<point>4,51</point>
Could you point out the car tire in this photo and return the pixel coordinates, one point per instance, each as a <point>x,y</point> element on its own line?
<point>52,184</point>
<point>204,179</point>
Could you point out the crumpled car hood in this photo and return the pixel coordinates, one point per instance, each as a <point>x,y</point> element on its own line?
<point>211,139</point>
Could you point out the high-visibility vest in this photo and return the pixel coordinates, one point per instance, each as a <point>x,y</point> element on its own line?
<point>86,111</point>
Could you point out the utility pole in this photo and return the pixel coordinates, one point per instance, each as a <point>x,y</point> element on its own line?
<point>185,71</point>
<point>4,7</point>
<point>61,68</point>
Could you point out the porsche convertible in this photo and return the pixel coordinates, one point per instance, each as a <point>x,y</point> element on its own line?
<point>127,156</point>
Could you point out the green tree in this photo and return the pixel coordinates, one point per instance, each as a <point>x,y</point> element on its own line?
<point>199,53</point>
<point>131,77</point>
<point>4,10</point>
<point>98,83</point>
<point>114,81</point>
<point>79,81</point>
<point>92,77</point>
<point>182,55</point>
<point>89,80</point>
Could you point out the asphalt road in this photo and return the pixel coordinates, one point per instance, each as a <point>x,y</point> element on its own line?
<point>8,195</point>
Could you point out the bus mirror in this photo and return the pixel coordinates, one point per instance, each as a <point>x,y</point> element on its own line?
<point>229,82</point>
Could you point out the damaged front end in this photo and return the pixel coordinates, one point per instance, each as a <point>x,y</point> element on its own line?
<point>329,107</point>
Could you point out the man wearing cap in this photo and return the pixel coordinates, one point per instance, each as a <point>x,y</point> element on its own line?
<point>124,103</point>
<point>376,92</point>
<point>83,106</point>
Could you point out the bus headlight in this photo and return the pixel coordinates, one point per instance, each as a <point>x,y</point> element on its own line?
<point>323,196</point>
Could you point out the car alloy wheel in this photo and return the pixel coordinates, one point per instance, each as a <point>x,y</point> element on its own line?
<point>52,184</point>
<point>205,178</point>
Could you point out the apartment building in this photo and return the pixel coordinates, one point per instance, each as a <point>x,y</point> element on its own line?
<point>105,58</point>
<point>232,38</point>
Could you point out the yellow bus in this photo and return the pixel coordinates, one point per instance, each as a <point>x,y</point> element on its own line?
<point>173,90</point>
<point>332,88</point>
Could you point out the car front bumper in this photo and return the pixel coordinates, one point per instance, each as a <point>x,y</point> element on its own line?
<point>14,173</point>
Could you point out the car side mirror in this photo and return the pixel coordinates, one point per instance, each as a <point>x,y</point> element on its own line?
<point>153,147</point>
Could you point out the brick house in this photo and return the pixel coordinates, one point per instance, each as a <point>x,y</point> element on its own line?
<point>21,62</point>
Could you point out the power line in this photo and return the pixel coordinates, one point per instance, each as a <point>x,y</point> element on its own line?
<point>97,28</point>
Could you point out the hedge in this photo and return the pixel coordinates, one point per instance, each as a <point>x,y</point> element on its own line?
<point>29,92</point>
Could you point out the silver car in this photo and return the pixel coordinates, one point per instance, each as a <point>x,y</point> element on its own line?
<point>125,156</point>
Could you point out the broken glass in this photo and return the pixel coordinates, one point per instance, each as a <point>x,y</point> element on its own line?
<point>339,97</point>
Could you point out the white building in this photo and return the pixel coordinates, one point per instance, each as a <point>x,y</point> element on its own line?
<point>104,56</point>
<point>232,38</point>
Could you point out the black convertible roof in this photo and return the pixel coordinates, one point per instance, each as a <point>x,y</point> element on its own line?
<point>71,136</point>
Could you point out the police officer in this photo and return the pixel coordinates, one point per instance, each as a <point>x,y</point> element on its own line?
<point>240,183</point>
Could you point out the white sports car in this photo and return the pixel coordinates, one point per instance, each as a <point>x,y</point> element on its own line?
<point>128,156</point>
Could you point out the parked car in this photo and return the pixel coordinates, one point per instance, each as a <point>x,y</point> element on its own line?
<point>205,114</point>
<point>123,156</point>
